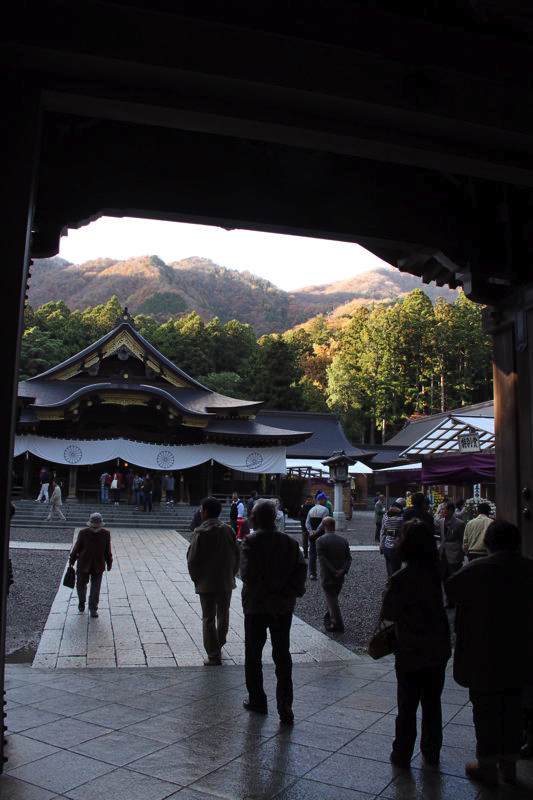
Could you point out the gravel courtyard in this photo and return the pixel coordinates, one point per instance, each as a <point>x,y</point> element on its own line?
<point>38,573</point>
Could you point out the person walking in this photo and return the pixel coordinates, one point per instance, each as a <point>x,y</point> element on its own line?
<point>335,559</point>
<point>196,520</point>
<point>474,535</point>
<point>379,511</point>
<point>236,510</point>
<point>314,518</point>
<point>280,516</point>
<point>419,509</point>
<point>213,562</point>
<point>305,508</point>
<point>494,648</point>
<point>115,487</point>
<point>169,485</point>
<point>390,536</point>
<point>104,480</point>
<point>137,490</point>
<point>56,502</point>
<point>44,480</point>
<point>451,531</point>
<point>273,573</point>
<point>147,492</point>
<point>250,504</point>
<point>91,554</point>
<point>413,601</point>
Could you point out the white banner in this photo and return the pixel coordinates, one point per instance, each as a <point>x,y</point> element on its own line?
<point>79,452</point>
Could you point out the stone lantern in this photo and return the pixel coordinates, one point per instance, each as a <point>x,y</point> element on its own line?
<point>338,464</point>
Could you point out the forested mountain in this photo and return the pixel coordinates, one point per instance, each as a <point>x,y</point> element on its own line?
<point>384,363</point>
<point>147,285</point>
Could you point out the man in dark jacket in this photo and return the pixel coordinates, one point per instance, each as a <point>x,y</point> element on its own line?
<point>494,647</point>
<point>451,531</point>
<point>335,560</point>
<point>93,553</point>
<point>273,573</point>
<point>213,561</point>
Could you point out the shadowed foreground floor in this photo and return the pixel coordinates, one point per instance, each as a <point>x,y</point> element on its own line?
<point>157,733</point>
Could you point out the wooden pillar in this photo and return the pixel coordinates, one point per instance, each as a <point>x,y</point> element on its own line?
<point>181,481</point>
<point>511,326</point>
<point>72,484</point>
<point>209,478</point>
<point>26,476</point>
<point>20,149</point>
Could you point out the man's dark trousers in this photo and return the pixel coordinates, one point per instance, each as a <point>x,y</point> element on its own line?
<point>333,615</point>
<point>82,579</point>
<point>312,557</point>
<point>305,541</point>
<point>422,686</point>
<point>498,723</point>
<point>255,635</point>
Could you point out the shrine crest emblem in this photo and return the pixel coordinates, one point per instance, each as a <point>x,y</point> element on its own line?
<point>165,459</point>
<point>72,454</point>
<point>254,460</point>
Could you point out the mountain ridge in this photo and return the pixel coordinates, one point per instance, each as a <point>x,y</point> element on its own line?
<point>147,284</point>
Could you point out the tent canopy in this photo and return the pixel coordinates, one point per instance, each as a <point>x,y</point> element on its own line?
<point>444,437</point>
<point>316,464</point>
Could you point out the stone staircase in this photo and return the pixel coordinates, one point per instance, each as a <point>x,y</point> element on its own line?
<point>30,514</point>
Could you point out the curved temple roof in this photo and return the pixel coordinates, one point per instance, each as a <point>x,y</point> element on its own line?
<point>63,384</point>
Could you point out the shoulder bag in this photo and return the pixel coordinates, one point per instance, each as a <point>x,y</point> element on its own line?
<point>383,640</point>
<point>70,578</point>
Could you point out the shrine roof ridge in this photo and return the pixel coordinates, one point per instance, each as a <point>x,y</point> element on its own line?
<point>95,346</point>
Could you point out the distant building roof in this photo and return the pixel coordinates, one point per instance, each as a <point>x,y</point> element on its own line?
<point>326,429</point>
<point>416,429</point>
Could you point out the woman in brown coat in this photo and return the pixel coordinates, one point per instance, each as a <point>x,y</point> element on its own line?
<point>93,553</point>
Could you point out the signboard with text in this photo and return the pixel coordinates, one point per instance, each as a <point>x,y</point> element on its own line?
<point>469,442</point>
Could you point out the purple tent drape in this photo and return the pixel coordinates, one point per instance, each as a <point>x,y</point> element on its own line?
<point>461,468</point>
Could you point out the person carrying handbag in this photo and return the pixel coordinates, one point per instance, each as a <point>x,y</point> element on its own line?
<point>91,554</point>
<point>413,601</point>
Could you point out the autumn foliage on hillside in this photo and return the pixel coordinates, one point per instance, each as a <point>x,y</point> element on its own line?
<point>147,285</point>
<point>385,363</point>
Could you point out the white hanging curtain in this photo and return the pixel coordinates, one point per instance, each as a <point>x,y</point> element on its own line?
<point>79,452</point>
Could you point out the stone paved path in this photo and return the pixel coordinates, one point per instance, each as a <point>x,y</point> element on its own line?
<point>182,734</point>
<point>149,615</point>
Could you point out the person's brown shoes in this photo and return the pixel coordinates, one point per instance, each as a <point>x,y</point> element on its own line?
<point>487,774</point>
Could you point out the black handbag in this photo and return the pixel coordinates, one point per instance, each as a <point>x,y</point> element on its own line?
<point>70,578</point>
<point>383,641</point>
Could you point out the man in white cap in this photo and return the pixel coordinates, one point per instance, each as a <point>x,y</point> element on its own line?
<point>93,553</point>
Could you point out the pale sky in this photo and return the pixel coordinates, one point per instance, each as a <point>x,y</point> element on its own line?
<point>289,262</point>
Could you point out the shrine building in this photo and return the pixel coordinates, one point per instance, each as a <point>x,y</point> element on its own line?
<point>121,405</point>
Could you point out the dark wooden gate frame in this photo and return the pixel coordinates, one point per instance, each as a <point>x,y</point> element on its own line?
<point>411,136</point>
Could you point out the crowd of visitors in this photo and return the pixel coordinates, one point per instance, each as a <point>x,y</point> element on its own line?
<point>434,563</point>
<point>493,655</point>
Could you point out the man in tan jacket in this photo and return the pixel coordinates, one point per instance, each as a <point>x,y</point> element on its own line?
<point>474,535</point>
<point>213,561</point>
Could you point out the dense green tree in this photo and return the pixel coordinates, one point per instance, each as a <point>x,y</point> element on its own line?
<point>275,375</point>
<point>228,383</point>
<point>384,364</point>
<point>39,351</point>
